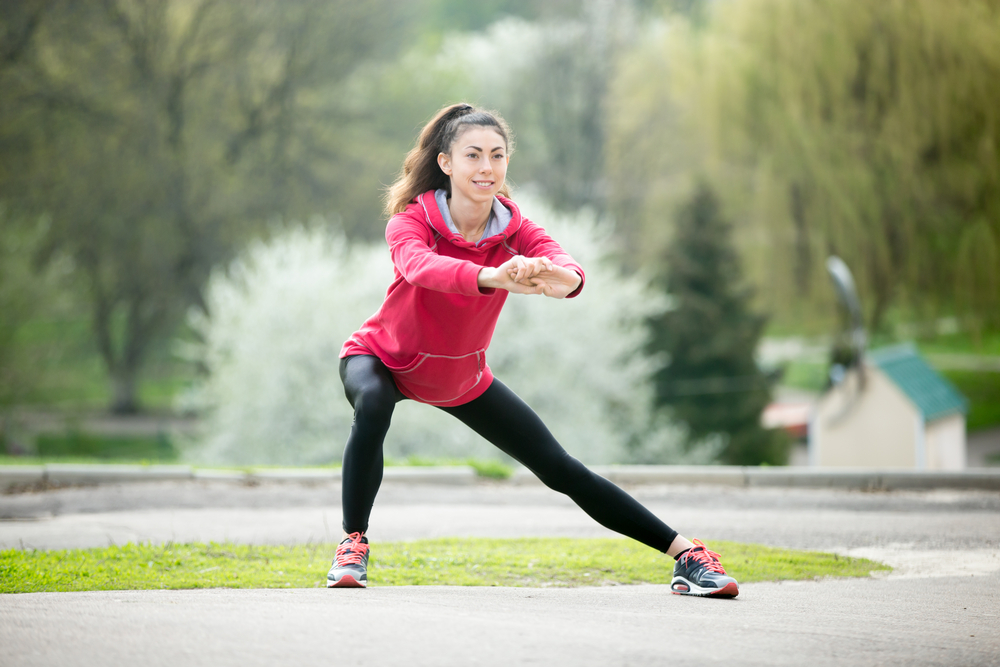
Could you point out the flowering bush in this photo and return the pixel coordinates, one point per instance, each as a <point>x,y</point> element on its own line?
<point>280,313</point>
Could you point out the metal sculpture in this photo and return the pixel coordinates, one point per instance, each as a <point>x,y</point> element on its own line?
<point>849,348</point>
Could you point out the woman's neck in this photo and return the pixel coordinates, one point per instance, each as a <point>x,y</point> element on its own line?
<point>470,217</point>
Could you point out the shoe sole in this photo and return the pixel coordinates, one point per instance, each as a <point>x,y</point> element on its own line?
<point>730,590</point>
<point>346,581</point>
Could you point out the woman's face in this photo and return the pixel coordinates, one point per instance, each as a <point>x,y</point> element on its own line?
<point>477,164</point>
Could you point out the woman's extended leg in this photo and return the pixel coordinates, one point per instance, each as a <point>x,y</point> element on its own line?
<point>501,417</point>
<point>373,395</point>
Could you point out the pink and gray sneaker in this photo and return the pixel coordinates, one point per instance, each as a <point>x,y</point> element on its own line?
<point>699,572</point>
<point>350,565</point>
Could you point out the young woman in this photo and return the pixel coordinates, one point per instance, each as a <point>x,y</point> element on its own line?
<point>459,246</point>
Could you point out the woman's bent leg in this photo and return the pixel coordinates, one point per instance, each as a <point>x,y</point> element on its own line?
<point>507,421</point>
<point>373,395</point>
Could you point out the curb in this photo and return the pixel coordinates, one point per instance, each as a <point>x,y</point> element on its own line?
<point>859,479</point>
<point>61,474</point>
<point>862,479</point>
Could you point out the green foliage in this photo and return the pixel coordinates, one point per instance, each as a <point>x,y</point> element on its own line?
<point>453,15</point>
<point>77,444</point>
<point>806,375</point>
<point>22,296</point>
<point>488,468</point>
<point>548,76</point>
<point>961,343</point>
<point>982,388</point>
<point>862,129</point>
<point>712,382</point>
<point>447,561</point>
<point>491,468</point>
<point>156,137</point>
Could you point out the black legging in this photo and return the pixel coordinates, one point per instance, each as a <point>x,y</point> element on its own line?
<point>506,421</point>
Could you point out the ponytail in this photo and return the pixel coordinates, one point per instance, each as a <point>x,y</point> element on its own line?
<point>421,171</point>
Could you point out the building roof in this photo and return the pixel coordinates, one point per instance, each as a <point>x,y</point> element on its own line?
<point>933,395</point>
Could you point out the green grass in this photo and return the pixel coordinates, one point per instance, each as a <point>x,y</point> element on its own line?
<point>490,468</point>
<point>532,562</point>
<point>983,391</point>
<point>805,375</point>
<point>7,460</point>
<point>102,448</point>
<point>962,343</point>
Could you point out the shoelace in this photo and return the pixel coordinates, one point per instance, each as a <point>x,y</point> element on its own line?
<point>703,555</point>
<point>351,553</point>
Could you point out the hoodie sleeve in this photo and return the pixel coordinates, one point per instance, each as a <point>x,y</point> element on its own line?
<point>532,241</point>
<point>412,248</point>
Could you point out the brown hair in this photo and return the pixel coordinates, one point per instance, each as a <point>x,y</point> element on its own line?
<point>421,171</point>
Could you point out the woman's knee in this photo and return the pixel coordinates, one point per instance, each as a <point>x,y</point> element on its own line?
<point>375,403</point>
<point>565,475</point>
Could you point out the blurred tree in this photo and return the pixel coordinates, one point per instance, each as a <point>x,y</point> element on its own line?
<point>281,310</point>
<point>866,130</point>
<point>711,381</point>
<point>549,78</point>
<point>156,136</point>
<point>19,298</point>
<point>557,104</point>
<point>440,16</point>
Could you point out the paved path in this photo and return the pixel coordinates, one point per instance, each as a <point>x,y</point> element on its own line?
<point>940,606</point>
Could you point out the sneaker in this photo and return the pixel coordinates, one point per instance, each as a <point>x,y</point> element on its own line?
<point>350,565</point>
<point>698,572</point>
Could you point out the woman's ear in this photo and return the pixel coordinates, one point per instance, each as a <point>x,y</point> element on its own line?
<point>444,161</point>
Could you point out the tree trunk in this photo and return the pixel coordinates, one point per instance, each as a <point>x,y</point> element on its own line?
<point>803,256</point>
<point>124,360</point>
<point>124,400</point>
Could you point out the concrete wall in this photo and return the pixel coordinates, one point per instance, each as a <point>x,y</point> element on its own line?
<point>880,430</point>
<point>945,442</point>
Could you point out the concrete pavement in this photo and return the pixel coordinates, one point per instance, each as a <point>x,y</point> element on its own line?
<point>854,622</point>
<point>940,606</point>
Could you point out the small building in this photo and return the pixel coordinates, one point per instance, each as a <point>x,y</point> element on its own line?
<point>895,412</point>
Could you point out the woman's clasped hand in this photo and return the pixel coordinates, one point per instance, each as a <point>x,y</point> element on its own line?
<point>531,275</point>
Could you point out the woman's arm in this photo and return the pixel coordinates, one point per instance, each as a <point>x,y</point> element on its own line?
<point>411,246</point>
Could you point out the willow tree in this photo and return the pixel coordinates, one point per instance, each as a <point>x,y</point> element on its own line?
<point>154,136</point>
<point>866,129</point>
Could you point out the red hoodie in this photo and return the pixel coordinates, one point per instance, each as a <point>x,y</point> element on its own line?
<point>435,324</point>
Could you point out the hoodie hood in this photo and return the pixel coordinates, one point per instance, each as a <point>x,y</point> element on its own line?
<point>436,221</point>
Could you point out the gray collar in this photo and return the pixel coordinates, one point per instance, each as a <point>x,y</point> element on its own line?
<point>500,216</point>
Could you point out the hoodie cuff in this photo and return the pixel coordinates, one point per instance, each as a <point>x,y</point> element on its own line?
<point>469,281</point>
<point>583,279</point>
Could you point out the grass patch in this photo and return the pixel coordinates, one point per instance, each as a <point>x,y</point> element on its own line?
<point>983,391</point>
<point>529,562</point>
<point>806,375</point>
<point>102,447</point>
<point>490,468</point>
<point>962,343</point>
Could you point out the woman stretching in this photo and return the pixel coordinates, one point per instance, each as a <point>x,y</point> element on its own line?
<point>459,245</point>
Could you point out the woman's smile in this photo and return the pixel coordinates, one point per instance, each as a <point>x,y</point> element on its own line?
<point>477,164</point>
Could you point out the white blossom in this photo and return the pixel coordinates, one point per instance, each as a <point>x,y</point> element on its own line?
<point>280,313</point>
